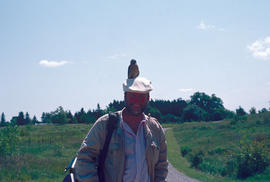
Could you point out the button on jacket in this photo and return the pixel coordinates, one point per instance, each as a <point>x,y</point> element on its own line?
<point>114,167</point>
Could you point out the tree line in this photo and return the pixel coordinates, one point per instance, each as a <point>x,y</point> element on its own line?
<point>200,107</point>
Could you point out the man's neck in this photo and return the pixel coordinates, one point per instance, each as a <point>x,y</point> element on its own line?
<point>133,121</point>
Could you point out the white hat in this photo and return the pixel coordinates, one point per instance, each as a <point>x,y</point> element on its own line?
<point>138,85</point>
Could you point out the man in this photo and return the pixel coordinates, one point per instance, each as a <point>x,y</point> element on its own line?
<point>137,151</point>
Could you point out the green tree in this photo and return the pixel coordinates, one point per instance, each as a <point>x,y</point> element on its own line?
<point>115,106</point>
<point>46,118</point>
<point>59,116</point>
<point>212,105</point>
<point>98,112</point>
<point>14,120</point>
<point>98,107</point>
<point>193,113</point>
<point>174,107</point>
<point>252,110</point>
<point>263,110</point>
<point>153,112</point>
<point>3,120</point>
<point>70,118</point>
<point>20,119</point>
<point>91,118</point>
<point>240,111</point>
<point>201,99</point>
<point>34,120</point>
<point>27,119</point>
<point>81,116</point>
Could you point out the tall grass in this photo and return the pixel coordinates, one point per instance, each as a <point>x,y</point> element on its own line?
<point>42,152</point>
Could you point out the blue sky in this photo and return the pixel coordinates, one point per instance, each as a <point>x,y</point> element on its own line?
<point>75,53</point>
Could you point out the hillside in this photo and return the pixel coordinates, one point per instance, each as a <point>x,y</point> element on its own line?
<point>230,149</point>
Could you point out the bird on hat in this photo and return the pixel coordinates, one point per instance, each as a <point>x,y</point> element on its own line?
<point>133,69</point>
<point>135,83</point>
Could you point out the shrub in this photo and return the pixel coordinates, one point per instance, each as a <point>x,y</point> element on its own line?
<point>253,158</point>
<point>230,167</point>
<point>196,158</point>
<point>266,117</point>
<point>233,122</point>
<point>209,166</point>
<point>185,150</point>
<point>258,122</point>
<point>218,150</point>
<point>238,118</point>
<point>235,119</point>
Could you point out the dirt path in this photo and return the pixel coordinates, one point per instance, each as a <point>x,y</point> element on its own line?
<point>176,176</point>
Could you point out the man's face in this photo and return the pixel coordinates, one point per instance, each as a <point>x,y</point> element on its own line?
<point>136,102</point>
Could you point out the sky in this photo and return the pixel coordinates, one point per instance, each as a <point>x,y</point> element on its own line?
<point>76,53</point>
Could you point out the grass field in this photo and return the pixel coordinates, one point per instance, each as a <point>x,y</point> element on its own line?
<point>217,142</point>
<point>42,152</point>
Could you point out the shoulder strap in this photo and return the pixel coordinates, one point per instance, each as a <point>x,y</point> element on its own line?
<point>110,127</point>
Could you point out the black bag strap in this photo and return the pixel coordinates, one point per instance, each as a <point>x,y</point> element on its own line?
<point>110,127</point>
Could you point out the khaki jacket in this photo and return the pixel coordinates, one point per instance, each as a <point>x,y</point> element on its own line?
<point>87,156</point>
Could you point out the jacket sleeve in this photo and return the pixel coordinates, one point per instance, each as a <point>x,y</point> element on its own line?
<point>87,156</point>
<point>161,168</point>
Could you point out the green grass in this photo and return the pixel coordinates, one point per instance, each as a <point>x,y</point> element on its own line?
<point>218,141</point>
<point>43,152</point>
<point>182,164</point>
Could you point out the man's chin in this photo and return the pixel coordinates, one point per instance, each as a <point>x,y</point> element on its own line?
<point>134,112</point>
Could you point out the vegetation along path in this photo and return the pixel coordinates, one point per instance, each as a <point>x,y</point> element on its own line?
<point>176,176</point>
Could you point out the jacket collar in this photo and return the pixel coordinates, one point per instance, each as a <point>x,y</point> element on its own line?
<point>147,131</point>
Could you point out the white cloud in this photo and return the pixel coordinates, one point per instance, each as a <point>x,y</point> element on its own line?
<point>47,63</point>
<point>117,56</point>
<point>186,89</point>
<point>267,83</point>
<point>203,26</point>
<point>260,48</point>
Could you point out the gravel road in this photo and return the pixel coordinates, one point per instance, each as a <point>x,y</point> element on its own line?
<point>176,176</point>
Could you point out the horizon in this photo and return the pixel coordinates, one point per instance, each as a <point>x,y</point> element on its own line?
<point>92,109</point>
<point>76,55</point>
